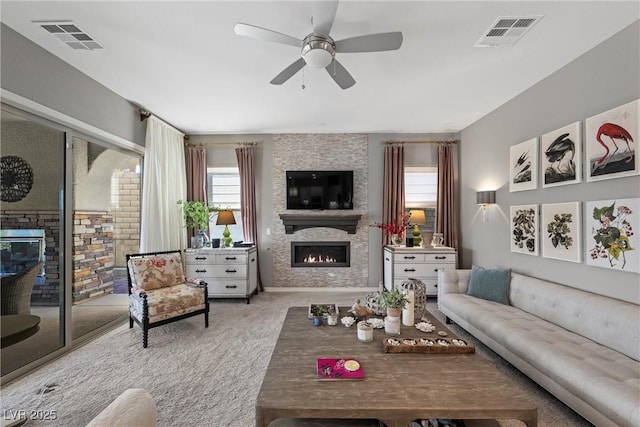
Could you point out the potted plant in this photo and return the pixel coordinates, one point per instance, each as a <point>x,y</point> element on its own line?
<point>332,316</point>
<point>394,301</point>
<point>196,216</point>
<point>318,311</point>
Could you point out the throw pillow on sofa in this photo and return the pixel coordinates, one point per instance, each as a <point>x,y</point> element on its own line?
<point>489,284</point>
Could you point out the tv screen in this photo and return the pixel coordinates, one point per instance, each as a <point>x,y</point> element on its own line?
<point>319,189</point>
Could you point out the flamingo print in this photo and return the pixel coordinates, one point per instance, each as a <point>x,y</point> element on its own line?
<point>614,132</point>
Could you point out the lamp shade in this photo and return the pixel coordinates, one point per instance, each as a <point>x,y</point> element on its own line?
<point>417,216</point>
<point>225,217</point>
<point>486,197</point>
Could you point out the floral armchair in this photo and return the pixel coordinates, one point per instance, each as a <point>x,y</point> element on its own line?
<point>159,292</point>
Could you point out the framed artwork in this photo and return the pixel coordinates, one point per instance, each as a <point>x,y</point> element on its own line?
<point>523,166</point>
<point>524,229</point>
<point>612,143</point>
<point>612,234</point>
<point>561,156</point>
<point>560,231</point>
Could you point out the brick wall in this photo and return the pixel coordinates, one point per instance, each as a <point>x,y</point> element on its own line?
<point>93,257</point>
<point>125,193</point>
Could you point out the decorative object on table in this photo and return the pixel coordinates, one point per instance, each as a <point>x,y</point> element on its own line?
<point>359,310</point>
<point>437,240</point>
<point>339,369</point>
<point>524,229</point>
<point>196,216</point>
<point>226,218</point>
<point>317,313</point>
<point>322,309</point>
<point>418,218</point>
<point>407,311</point>
<point>561,231</point>
<point>17,178</point>
<point>394,301</point>
<point>611,140</point>
<point>426,239</point>
<point>372,302</point>
<point>376,323</point>
<point>426,345</point>
<point>425,326</point>
<point>419,290</point>
<point>395,229</point>
<point>332,316</point>
<point>523,166</point>
<point>347,321</point>
<point>561,160</point>
<point>365,332</point>
<point>612,234</point>
<point>392,325</point>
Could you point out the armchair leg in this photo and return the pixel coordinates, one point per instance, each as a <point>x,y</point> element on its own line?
<point>130,322</point>
<point>206,319</point>
<point>145,337</point>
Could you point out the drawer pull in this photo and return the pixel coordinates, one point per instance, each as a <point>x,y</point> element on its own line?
<point>201,271</point>
<point>435,269</point>
<point>409,257</point>
<point>231,286</point>
<point>386,259</point>
<point>230,258</point>
<point>409,269</point>
<point>440,257</point>
<point>230,271</point>
<point>201,258</point>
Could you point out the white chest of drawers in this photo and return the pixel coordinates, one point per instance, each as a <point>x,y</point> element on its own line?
<point>229,272</point>
<point>401,263</point>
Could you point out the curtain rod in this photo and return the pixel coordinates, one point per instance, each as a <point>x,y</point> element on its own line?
<point>418,142</point>
<point>216,144</point>
<point>144,115</point>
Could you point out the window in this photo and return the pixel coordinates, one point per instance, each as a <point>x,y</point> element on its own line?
<point>224,193</point>
<point>421,191</point>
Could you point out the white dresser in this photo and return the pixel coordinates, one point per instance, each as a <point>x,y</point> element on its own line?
<point>401,263</point>
<point>229,272</point>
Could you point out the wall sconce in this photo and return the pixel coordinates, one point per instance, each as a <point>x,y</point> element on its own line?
<point>484,198</point>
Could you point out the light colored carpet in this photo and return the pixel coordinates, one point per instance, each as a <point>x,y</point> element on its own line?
<point>198,376</point>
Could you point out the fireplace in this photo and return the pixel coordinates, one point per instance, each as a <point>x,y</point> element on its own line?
<point>320,254</point>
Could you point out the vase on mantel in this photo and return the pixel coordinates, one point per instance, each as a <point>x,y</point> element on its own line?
<point>396,239</point>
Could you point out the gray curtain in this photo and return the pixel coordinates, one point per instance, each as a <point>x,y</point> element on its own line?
<point>196,162</point>
<point>393,186</point>
<point>447,211</point>
<point>246,167</point>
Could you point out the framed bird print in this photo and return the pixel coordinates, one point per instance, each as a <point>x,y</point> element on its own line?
<point>561,156</point>
<point>523,166</point>
<point>612,143</point>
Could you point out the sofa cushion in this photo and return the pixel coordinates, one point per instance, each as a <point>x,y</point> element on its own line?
<point>165,303</point>
<point>492,285</point>
<point>155,272</point>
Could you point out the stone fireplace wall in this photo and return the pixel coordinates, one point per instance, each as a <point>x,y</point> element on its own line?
<point>320,152</point>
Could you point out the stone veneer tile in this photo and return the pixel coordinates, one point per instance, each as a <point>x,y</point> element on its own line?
<point>320,152</point>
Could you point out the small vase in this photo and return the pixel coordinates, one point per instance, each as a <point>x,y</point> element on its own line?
<point>396,239</point>
<point>317,320</point>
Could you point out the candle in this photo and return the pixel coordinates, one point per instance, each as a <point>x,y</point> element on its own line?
<point>365,332</point>
<point>407,311</point>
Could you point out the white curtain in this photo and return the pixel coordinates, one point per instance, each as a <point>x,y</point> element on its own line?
<point>164,183</point>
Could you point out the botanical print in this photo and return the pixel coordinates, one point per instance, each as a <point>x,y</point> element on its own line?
<point>561,156</point>
<point>524,229</point>
<point>523,166</point>
<point>561,231</point>
<point>611,143</point>
<point>611,234</point>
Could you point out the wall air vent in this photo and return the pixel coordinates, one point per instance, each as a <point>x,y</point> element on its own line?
<point>69,33</point>
<point>507,30</point>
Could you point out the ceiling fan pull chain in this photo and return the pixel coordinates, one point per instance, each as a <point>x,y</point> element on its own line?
<point>303,86</point>
<point>334,68</point>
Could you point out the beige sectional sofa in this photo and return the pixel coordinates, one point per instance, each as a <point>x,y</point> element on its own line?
<point>582,347</point>
<point>133,408</point>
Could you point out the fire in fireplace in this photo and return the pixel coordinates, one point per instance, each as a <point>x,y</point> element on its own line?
<point>320,254</point>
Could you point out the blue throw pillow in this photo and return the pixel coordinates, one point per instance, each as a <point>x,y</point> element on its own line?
<point>488,284</point>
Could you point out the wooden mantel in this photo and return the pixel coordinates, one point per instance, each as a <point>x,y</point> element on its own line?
<point>295,222</point>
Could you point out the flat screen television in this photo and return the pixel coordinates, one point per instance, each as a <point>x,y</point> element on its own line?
<point>319,190</point>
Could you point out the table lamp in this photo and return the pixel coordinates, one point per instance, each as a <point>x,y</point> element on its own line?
<point>417,217</point>
<point>225,217</point>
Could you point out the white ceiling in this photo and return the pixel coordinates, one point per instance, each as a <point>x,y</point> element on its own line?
<point>183,62</point>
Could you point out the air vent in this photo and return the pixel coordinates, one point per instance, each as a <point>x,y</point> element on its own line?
<point>507,30</point>
<point>69,33</point>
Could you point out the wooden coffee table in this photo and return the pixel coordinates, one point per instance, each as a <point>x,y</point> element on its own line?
<point>398,387</point>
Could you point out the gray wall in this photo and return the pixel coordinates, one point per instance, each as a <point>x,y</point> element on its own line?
<point>603,78</point>
<point>33,73</point>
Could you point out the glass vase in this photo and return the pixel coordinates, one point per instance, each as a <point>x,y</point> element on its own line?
<point>396,239</point>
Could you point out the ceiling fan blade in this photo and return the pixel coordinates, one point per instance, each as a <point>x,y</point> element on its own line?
<point>370,43</point>
<point>324,12</point>
<point>288,72</point>
<point>264,34</point>
<point>340,75</point>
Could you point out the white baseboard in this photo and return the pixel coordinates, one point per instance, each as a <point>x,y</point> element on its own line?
<point>332,290</point>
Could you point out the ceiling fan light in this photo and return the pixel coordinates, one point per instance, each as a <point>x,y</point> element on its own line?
<point>318,58</point>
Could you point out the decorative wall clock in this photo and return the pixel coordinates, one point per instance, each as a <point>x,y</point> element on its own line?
<point>17,178</point>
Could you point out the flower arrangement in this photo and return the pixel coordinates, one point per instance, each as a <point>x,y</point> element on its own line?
<point>394,227</point>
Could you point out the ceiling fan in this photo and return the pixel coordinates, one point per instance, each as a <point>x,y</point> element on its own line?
<point>318,49</point>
